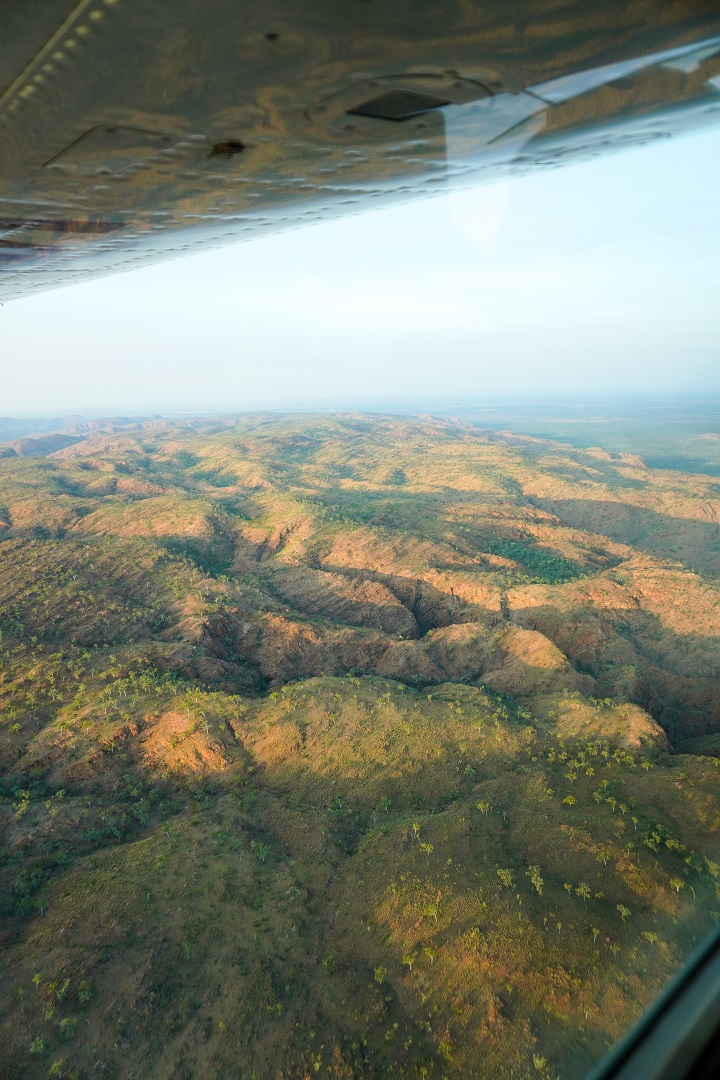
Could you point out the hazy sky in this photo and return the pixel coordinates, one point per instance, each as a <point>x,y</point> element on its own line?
<point>594,277</point>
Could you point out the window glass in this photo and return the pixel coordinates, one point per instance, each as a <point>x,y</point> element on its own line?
<point>360,626</point>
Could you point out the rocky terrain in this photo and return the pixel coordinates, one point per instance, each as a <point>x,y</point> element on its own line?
<point>349,746</point>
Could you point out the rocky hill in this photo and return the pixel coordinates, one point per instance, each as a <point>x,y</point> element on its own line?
<point>349,746</point>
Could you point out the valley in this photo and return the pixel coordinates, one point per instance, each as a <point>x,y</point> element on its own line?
<point>349,745</point>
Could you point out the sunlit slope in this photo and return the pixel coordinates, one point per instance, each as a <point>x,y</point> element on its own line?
<point>356,874</point>
<point>401,548</point>
<point>330,747</point>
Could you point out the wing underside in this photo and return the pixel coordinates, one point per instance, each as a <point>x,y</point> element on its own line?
<point>145,129</point>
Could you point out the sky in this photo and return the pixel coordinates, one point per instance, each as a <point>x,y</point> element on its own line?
<point>593,278</point>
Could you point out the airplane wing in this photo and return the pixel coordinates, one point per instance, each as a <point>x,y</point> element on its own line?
<point>137,130</point>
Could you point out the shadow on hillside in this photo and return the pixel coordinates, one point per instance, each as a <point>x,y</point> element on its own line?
<point>431,607</point>
<point>690,541</point>
<point>421,517</point>
<point>674,677</point>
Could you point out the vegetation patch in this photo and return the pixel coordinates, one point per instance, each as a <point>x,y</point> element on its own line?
<point>347,746</point>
